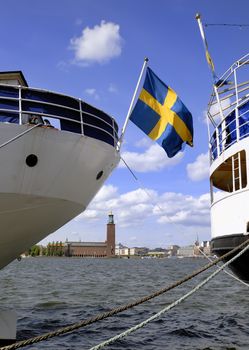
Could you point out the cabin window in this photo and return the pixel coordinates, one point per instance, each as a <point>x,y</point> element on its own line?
<point>231,175</point>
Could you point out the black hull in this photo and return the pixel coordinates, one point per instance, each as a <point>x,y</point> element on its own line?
<point>223,244</point>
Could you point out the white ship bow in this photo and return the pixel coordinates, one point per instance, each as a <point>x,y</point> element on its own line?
<point>48,175</point>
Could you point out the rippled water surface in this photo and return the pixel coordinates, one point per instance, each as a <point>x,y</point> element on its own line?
<point>49,293</point>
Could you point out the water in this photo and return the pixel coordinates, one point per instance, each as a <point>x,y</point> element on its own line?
<point>49,293</point>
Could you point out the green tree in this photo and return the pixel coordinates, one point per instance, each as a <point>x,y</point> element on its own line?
<point>49,249</point>
<point>60,250</point>
<point>44,251</point>
<point>52,249</point>
<point>35,250</point>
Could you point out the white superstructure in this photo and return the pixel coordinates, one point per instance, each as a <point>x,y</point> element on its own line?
<point>228,130</point>
<point>229,151</point>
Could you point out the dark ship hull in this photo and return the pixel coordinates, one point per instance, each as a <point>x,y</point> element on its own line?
<point>223,244</point>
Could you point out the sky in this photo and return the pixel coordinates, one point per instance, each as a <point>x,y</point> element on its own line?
<point>94,50</point>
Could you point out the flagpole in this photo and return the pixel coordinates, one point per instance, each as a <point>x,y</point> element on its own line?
<point>208,57</point>
<point>120,141</point>
<point>210,62</point>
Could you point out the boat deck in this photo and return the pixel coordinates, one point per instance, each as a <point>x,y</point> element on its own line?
<point>24,105</point>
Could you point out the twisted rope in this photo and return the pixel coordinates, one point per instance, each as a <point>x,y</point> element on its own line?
<point>117,310</point>
<point>169,307</point>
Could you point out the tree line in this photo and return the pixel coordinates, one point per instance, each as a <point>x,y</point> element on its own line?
<point>52,249</point>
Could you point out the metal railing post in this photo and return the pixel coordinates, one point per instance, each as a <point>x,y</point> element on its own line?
<point>233,175</point>
<point>20,103</point>
<point>113,132</point>
<point>81,118</point>
<point>239,165</point>
<point>237,104</point>
<point>217,141</point>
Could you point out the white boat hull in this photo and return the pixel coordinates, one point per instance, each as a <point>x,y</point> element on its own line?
<point>35,201</point>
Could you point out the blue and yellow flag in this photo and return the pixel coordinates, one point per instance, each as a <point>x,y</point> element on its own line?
<point>161,115</point>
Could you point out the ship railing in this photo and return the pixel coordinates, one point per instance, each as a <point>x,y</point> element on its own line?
<point>226,134</point>
<point>228,109</point>
<point>25,105</point>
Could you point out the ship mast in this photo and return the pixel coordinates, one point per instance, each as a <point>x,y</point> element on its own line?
<point>211,66</point>
<point>208,57</point>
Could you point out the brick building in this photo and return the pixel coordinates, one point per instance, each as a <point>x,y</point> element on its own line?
<point>94,249</point>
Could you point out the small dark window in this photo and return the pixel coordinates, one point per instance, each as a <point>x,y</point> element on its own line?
<point>99,175</point>
<point>31,160</point>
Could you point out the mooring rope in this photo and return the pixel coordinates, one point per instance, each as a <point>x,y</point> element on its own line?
<point>169,307</point>
<point>117,310</point>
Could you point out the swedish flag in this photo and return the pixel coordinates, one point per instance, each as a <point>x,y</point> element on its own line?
<point>161,115</point>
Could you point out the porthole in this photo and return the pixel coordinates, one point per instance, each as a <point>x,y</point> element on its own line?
<point>99,175</point>
<point>31,160</point>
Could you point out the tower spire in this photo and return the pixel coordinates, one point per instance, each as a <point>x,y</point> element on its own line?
<point>110,218</point>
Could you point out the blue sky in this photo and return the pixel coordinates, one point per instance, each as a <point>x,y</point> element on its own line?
<point>94,50</point>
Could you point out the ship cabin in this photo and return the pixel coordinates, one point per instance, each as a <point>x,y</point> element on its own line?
<point>228,127</point>
<point>21,104</point>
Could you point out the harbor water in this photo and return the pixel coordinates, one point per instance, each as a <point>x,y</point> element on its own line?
<point>50,293</point>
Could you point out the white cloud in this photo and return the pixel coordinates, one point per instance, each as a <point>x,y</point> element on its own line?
<point>145,142</point>
<point>154,220</point>
<point>138,196</point>
<point>112,89</point>
<point>136,207</point>
<point>89,214</point>
<point>215,110</point>
<point>98,44</point>
<point>92,92</point>
<point>176,208</point>
<point>153,159</point>
<point>106,192</point>
<point>199,169</point>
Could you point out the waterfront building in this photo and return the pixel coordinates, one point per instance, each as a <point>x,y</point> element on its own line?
<point>187,251</point>
<point>94,249</point>
<point>125,251</point>
<point>118,249</point>
<point>172,250</point>
<point>205,247</point>
<point>158,254</point>
<point>122,250</point>
<point>138,251</point>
